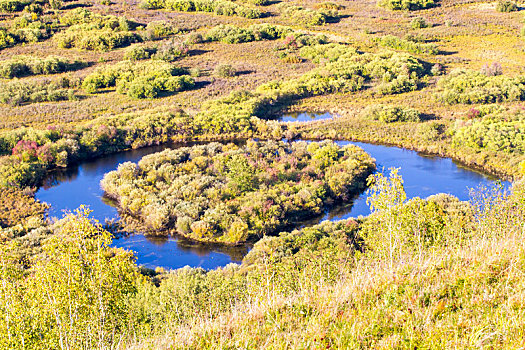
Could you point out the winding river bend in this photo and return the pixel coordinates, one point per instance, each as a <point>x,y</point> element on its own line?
<point>68,189</point>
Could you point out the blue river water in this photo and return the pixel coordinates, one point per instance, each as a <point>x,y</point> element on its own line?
<point>68,189</point>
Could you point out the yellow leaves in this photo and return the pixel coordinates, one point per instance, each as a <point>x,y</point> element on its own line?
<point>238,232</point>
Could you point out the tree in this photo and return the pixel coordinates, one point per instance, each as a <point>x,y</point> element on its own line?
<point>74,296</point>
<point>385,195</point>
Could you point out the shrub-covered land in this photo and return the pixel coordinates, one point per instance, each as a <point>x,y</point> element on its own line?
<point>420,273</point>
<point>256,32</point>
<point>13,5</point>
<point>32,91</point>
<point>147,79</point>
<point>396,43</point>
<point>409,5</point>
<point>346,71</point>
<point>218,7</point>
<point>21,66</point>
<point>26,29</point>
<point>19,211</point>
<point>391,114</point>
<point>468,86</point>
<point>228,194</point>
<point>169,51</point>
<point>89,31</point>
<point>35,151</point>
<point>305,16</point>
<point>496,131</point>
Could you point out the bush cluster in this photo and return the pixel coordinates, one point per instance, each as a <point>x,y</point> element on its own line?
<point>81,16</point>
<point>301,15</point>
<point>391,114</point>
<point>408,5</point>
<point>19,92</point>
<point>494,130</point>
<point>19,66</point>
<point>506,6</point>
<point>13,5</point>
<point>168,51</point>
<point>396,43</point>
<point>147,79</point>
<point>225,71</point>
<point>468,86</point>
<point>86,37</point>
<point>218,7</point>
<point>233,35</point>
<point>289,49</point>
<point>418,23</point>
<point>34,151</point>
<point>156,30</point>
<point>346,71</point>
<point>25,29</point>
<point>19,208</point>
<point>90,31</point>
<point>226,193</point>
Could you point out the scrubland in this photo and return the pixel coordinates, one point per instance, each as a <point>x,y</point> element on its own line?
<point>83,79</point>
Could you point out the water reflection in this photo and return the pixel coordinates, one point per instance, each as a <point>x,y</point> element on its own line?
<point>305,117</point>
<point>171,252</point>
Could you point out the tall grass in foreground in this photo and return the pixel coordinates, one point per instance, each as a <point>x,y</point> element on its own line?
<point>433,273</point>
<point>459,292</point>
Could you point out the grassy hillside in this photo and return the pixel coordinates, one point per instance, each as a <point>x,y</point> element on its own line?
<point>82,79</point>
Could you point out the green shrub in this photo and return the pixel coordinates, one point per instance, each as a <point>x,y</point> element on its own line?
<point>20,66</point>
<point>390,114</point>
<point>90,31</point>
<point>431,131</point>
<point>219,7</point>
<point>168,51</point>
<point>467,86</point>
<point>18,92</point>
<point>80,16</point>
<point>148,79</point>
<point>194,38</point>
<point>138,52</point>
<point>160,29</point>
<point>24,29</point>
<point>305,16</point>
<point>225,71</point>
<point>409,5</point>
<point>418,23</point>
<point>506,6</point>
<point>6,39</point>
<point>229,34</point>
<point>496,131</point>
<point>13,5</point>
<point>83,37</point>
<point>233,35</point>
<point>264,193</point>
<point>396,43</point>
<point>171,50</point>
